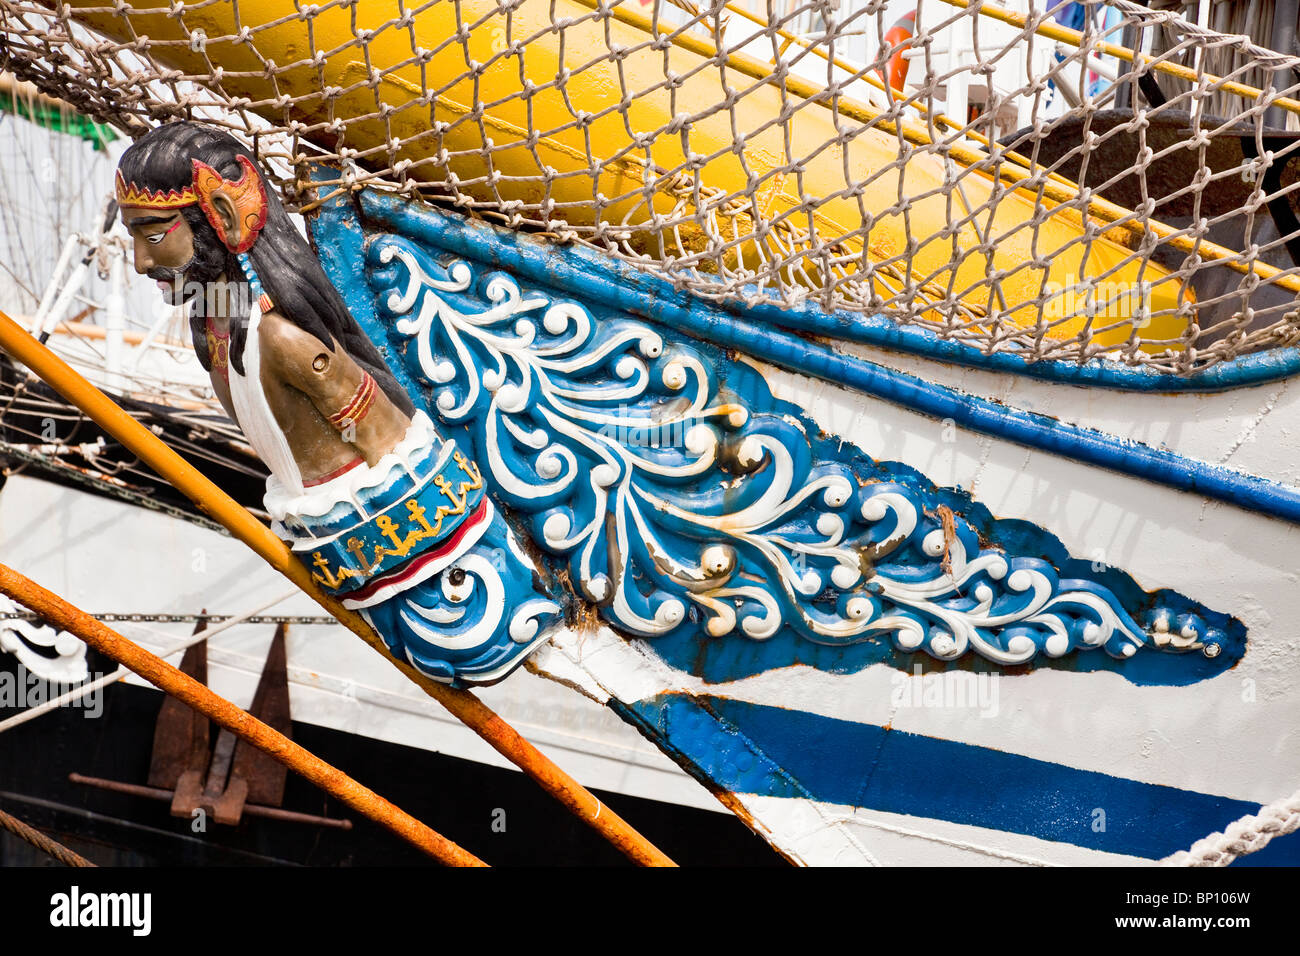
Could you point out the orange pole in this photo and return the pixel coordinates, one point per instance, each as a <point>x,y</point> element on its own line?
<point>223,509</point>
<point>239,722</point>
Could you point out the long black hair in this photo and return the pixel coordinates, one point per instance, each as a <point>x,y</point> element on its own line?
<point>285,265</point>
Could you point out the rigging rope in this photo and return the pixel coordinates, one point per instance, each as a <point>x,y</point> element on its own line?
<point>43,843</point>
<point>208,436</point>
<point>755,158</point>
<point>102,486</point>
<point>1250,834</point>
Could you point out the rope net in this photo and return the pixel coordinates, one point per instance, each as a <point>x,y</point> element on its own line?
<point>1021,181</point>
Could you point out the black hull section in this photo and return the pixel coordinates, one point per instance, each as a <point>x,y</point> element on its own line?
<point>459,798</point>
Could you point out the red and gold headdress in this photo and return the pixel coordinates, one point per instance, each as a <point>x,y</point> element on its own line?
<point>137,197</point>
<point>247,195</point>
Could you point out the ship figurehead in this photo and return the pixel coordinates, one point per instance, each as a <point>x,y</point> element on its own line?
<point>387,515</point>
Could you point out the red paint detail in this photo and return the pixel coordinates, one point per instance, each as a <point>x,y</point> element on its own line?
<point>900,34</point>
<point>218,350</point>
<point>243,188</point>
<point>357,406</point>
<point>335,473</point>
<point>131,196</point>
<point>412,568</point>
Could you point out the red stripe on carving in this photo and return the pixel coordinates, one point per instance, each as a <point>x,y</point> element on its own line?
<point>405,573</point>
<point>335,473</point>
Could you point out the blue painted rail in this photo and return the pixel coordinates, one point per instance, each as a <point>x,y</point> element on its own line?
<point>601,278</point>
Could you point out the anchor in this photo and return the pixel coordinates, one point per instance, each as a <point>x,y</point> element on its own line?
<point>232,778</point>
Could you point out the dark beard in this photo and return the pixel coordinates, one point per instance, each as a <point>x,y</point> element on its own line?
<point>209,261</point>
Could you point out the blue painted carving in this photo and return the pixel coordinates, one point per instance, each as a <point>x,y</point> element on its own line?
<point>424,556</point>
<point>475,622</point>
<point>694,509</point>
<point>602,281</point>
<point>430,564</point>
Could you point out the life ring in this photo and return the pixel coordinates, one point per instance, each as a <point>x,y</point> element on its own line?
<point>900,35</point>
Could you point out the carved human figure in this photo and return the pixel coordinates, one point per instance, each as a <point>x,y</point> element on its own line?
<point>204,227</point>
<point>361,486</point>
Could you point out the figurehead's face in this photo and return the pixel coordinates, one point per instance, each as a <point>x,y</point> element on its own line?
<point>186,235</point>
<point>163,247</point>
<point>168,251</point>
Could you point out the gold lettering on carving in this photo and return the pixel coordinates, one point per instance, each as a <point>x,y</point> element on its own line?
<point>322,562</point>
<point>357,548</point>
<point>417,514</point>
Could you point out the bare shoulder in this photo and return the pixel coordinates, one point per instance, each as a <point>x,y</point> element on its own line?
<point>303,360</point>
<point>281,339</point>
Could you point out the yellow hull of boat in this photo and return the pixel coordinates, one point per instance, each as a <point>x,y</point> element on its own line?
<point>389,118</point>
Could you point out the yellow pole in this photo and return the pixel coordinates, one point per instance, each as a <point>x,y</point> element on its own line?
<point>242,724</point>
<point>227,512</point>
<point>1054,31</point>
<point>875,81</point>
<point>1116,216</point>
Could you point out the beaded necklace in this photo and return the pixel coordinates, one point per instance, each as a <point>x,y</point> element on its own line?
<point>219,342</point>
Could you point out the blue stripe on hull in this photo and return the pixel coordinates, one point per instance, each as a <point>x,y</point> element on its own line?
<point>1281,851</point>
<point>771,751</point>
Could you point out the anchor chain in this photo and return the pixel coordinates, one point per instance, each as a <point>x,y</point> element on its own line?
<point>188,618</point>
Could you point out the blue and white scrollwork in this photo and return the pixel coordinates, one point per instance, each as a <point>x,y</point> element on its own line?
<point>677,506</point>
<point>46,652</point>
<point>478,619</point>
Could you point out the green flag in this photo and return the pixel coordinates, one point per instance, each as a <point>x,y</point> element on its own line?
<point>57,119</point>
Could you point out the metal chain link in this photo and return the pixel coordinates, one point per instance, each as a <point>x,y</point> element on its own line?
<point>186,618</point>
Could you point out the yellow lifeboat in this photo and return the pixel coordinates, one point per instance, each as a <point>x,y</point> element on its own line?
<point>552,112</point>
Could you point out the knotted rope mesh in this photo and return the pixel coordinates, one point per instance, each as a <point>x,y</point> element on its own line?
<point>1003,179</point>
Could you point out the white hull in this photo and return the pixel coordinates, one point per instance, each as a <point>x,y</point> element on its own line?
<point>74,544</point>
<point>1231,735</point>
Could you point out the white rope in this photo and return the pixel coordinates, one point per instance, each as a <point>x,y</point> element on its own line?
<point>1250,834</point>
